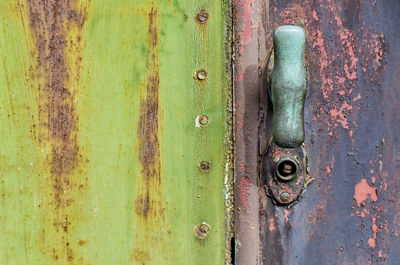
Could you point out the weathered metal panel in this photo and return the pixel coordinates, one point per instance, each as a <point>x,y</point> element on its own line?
<point>349,214</point>
<point>99,141</point>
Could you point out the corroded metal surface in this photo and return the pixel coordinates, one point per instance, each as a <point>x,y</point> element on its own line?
<point>350,213</point>
<point>285,191</point>
<point>100,149</point>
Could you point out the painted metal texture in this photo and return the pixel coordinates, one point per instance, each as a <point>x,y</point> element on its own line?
<point>99,142</point>
<point>350,213</point>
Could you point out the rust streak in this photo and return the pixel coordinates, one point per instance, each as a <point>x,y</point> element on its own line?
<point>49,21</point>
<point>51,24</point>
<point>148,127</point>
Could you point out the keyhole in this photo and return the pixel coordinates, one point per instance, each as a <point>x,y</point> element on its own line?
<point>286,169</point>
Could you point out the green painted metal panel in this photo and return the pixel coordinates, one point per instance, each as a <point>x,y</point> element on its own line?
<point>99,141</point>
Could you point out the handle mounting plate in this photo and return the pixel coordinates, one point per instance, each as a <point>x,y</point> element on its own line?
<point>286,190</point>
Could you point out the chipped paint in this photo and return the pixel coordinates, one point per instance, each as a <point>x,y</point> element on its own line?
<point>245,186</point>
<point>99,154</point>
<point>363,190</point>
<point>348,214</point>
<point>271,224</point>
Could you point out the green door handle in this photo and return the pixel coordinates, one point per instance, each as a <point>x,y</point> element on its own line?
<point>288,86</point>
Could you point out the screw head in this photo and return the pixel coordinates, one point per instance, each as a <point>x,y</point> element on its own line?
<point>201,231</point>
<point>202,16</point>
<point>204,166</point>
<point>284,196</point>
<point>201,74</point>
<point>203,120</point>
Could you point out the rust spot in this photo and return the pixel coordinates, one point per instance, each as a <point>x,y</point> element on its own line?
<point>142,204</point>
<point>82,242</point>
<point>148,127</point>
<point>244,190</point>
<point>70,254</point>
<point>141,256</point>
<point>50,21</point>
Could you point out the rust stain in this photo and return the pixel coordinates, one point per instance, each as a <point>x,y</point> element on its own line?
<point>51,24</point>
<point>244,190</point>
<point>50,21</point>
<point>148,201</point>
<point>141,256</point>
<point>363,190</point>
<point>82,242</point>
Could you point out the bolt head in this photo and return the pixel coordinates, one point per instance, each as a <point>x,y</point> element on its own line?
<point>203,120</point>
<point>202,230</point>
<point>202,16</point>
<point>204,166</point>
<point>284,196</point>
<point>201,74</point>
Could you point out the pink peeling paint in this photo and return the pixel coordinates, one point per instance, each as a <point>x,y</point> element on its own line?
<point>371,242</point>
<point>330,167</point>
<point>363,190</point>
<point>245,185</point>
<point>375,229</point>
<point>339,114</point>
<point>286,215</point>
<point>350,67</point>
<point>271,224</point>
<point>245,16</point>
<point>357,98</point>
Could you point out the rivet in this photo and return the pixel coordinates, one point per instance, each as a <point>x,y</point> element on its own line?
<point>204,166</point>
<point>202,230</point>
<point>201,74</point>
<point>284,196</point>
<point>202,16</point>
<point>203,120</point>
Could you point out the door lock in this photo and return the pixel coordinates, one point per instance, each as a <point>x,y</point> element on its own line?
<point>286,166</point>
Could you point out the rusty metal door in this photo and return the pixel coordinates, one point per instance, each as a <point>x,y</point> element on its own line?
<point>115,132</point>
<point>117,129</point>
<point>349,214</point>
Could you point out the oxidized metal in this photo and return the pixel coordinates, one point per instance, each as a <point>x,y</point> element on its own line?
<point>204,166</point>
<point>286,169</point>
<point>201,231</point>
<point>286,156</point>
<point>288,88</point>
<point>201,74</point>
<point>286,172</point>
<point>202,120</point>
<point>202,16</point>
<point>350,215</point>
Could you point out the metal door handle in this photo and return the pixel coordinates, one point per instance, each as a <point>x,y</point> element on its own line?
<point>286,164</point>
<point>288,87</point>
